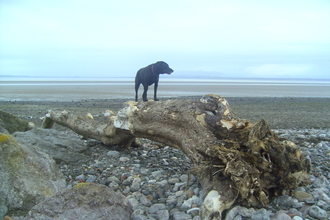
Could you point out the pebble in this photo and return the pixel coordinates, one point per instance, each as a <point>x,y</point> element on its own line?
<point>154,179</point>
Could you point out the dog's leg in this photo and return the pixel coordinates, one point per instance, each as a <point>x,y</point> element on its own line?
<point>144,95</point>
<point>137,86</point>
<point>155,91</point>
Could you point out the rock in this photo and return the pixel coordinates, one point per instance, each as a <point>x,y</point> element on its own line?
<point>239,211</point>
<point>173,181</point>
<point>157,173</point>
<point>320,195</point>
<point>321,181</point>
<point>163,215</point>
<point>3,206</point>
<point>83,201</point>
<point>145,201</point>
<point>196,200</point>
<point>171,200</point>
<point>162,183</point>
<point>137,212</point>
<point>261,214</point>
<point>186,205</point>
<point>134,203</point>
<point>317,212</point>
<point>113,179</point>
<point>281,215</point>
<point>283,201</point>
<point>112,153</point>
<point>302,196</point>
<point>27,174</point>
<point>135,185</point>
<point>10,123</point>
<point>156,207</point>
<point>61,146</point>
<point>80,177</point>
<point>181,216</point>
<point>322,204</point>
<point>232,213</point>
<point>91,179</point>
<point>124,159</point>
<point>184,178</point>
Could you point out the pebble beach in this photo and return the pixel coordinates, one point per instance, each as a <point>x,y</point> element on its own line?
<point>154,177</point>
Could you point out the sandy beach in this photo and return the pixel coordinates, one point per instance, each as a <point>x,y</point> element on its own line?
<point>109,89</point>
<point>279,112</point>
<point>283,103</point>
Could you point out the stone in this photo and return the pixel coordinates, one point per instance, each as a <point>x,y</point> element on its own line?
<point>261,214</point>
<point>281,215</point>
<point>162,183</point>
<point>124,159</point>
<point>181,216</point>
<point>302,196</point>
<point>196,200</point>
<point>80,177</point>
<point>91,179</point>
<point>135,184</point>
<point>137,212</point>
<point>173,181</point>
<point>27,174</point>
<point>239,211</point>
<point>232,213</point>
<point>317,212</point>
<point>186,205</point>
<point>83,201</point>
<point>163,215</point>
<point>156,207</point>
<point>112,153</point>
<point>157,173</point>
<point>10,123</point>
<point>321,181</point>
<point>283,201</point>
<point>113,179</point>
<point>184,178</point>
<point>134,202</point>
<point>3,207</point>
<point>322,204</point>
<point>145,201</point>
<point>60,145</point>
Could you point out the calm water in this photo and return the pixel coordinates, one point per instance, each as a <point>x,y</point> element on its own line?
<point>64,89</point>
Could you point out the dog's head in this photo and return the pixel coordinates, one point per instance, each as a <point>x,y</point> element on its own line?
<point>161,67</point>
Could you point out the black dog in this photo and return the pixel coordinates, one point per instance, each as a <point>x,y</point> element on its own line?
<point>148,76</point>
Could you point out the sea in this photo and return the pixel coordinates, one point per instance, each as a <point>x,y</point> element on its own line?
<point>67,89</point>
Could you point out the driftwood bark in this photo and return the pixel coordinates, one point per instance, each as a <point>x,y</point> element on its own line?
<point>234,160</point>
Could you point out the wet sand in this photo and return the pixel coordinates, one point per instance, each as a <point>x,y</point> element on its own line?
<point>279,112</point>
<point>69,92</point>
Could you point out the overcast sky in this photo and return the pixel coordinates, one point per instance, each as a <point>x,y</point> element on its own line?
<point>107,38</point>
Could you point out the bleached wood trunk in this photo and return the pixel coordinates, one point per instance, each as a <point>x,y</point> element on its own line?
<point>234,160</point>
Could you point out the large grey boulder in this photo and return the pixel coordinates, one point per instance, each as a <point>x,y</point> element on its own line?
<point>83,201</point>
<point>63,146</point>
<point>27,174</point>
<point>10,123</point>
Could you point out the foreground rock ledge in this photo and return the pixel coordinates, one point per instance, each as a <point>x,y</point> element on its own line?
<point>235,160</point>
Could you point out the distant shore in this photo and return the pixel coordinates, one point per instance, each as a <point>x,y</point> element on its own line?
<point>279,112</point>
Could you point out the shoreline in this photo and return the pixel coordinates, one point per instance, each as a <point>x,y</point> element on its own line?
<point>54,91</point>
<point>279,112</point>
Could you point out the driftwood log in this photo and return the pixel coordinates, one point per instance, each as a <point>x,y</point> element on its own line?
<point>235,161</point>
